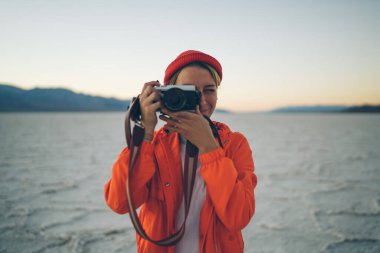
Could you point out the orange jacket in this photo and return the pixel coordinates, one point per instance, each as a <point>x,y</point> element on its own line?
<point>157,185</point>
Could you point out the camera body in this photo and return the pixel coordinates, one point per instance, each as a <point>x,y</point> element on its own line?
<point>180,97</point>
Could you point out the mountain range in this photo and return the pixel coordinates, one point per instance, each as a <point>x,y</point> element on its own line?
<point>329,109</point>
<point>15,99</point>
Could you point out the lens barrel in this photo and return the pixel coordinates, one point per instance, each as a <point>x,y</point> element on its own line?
<point>174,99</point>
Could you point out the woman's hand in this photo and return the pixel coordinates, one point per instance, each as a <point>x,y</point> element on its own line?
<point>150,102</point>
<point>192,126</point>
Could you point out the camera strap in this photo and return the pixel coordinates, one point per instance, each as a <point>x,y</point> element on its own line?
<point>134,142</point>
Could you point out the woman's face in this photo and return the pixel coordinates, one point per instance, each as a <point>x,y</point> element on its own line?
<point>204,83</point>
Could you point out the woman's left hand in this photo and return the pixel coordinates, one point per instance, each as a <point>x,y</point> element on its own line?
<point>192,126</point>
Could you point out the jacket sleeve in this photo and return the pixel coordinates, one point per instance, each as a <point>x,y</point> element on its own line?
<point>230,182</point>
<point>115,189</point>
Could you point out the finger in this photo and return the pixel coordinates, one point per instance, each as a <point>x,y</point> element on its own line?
<point>146,92</point>
<point>184,115</point>
<point>197,111</point>
<point>155,106</point>
<point>174,129</point>
<point>153,97</point>
<point>149,90</point>
<point>150,84</point>
<point>168,120</point>
<point>169,125</point>
<point>168,113</point>
<point>150,103</point>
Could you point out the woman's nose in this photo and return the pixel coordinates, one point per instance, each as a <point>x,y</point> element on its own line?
<point>203,99</point>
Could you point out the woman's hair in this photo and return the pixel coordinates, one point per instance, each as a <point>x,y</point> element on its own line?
<point>214,74</point>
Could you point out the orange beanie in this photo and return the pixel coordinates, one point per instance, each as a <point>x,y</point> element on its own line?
<point>188,57</point>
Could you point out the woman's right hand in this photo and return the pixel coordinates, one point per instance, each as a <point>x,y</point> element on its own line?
<point>150,102</point>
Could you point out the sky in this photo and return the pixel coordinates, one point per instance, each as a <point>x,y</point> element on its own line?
<point>273,53</point>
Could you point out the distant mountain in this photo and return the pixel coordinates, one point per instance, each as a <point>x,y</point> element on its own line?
<point>55,99</point>
<point>329,109</point>
<point>14,99</point>
<point>319,108</point>
<point>222,111</point>
<point>363,108</point>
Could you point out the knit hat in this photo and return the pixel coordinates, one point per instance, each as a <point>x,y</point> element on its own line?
<point>188,57</point>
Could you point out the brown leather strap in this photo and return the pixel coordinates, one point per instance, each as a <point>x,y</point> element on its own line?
<point>133,113</point>
<point>134,142</point>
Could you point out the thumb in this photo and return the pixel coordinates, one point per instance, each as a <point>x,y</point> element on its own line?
<point>197,111</point>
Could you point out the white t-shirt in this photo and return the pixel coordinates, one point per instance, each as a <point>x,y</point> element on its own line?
<point>190,240</point>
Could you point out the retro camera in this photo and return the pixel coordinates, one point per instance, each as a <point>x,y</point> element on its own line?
<point>180,97</point>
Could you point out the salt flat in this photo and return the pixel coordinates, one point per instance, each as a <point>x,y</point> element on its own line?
<point>318,188</point>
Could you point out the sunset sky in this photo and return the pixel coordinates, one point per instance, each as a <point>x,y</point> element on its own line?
<point>273,53</point>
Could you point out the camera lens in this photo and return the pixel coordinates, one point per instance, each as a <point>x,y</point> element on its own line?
<point>174,99</point>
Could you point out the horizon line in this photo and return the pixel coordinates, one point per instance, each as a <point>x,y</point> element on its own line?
<point>220,108</point>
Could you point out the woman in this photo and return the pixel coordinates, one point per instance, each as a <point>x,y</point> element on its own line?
<point>222,201</point>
